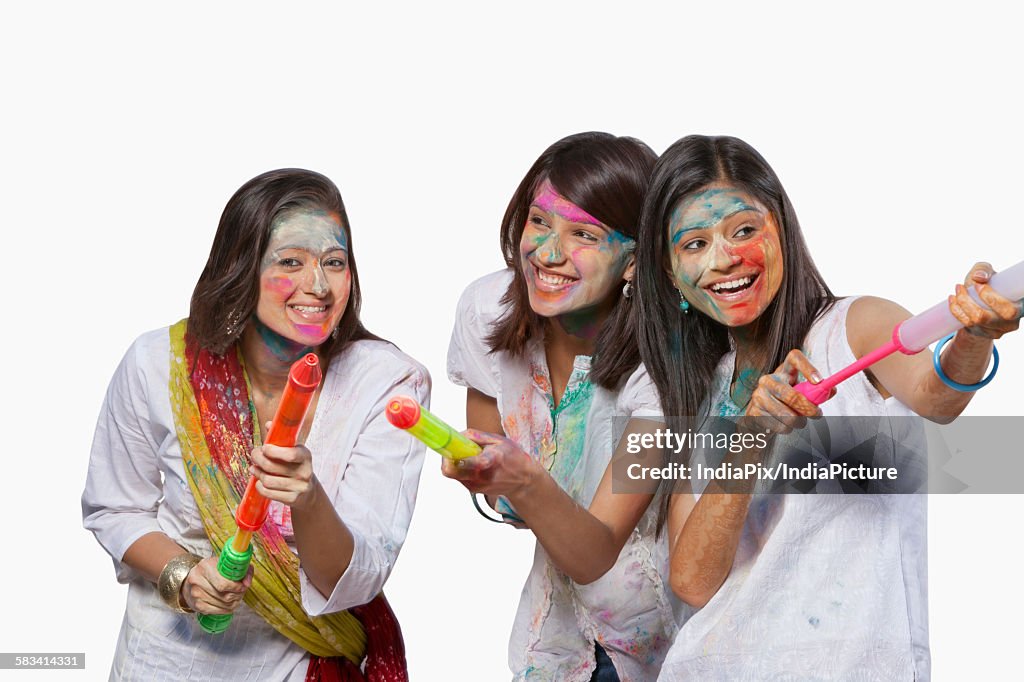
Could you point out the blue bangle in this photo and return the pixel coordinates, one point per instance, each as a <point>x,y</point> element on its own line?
<point>956,386</point>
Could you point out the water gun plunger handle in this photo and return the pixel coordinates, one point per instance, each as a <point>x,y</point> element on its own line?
<point>233,564</point>
<point>914,335</point>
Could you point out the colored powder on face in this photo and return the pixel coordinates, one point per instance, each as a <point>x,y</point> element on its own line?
<point>549,200</point>
<point>312,230</point>
<point>282,348</point>
<point>617,238</point>
<point>547,245</point>
<point>594,259</point>
<point>281,285</point>
<point>312,329</point>
<point>705,210</point>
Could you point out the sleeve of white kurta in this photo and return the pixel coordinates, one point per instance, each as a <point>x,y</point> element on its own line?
<point>639,397</point>
<point>470,362</point>
<point>376,499</point>
<point>123,487</point>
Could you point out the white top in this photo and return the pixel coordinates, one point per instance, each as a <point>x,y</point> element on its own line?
<point>136,485</point>
<point>628,610</point>
<point>823,587</point>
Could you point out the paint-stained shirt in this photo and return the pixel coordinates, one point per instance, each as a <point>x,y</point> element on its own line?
<point>823,586</point>
<point>628,610</point>
<point>136,485</point>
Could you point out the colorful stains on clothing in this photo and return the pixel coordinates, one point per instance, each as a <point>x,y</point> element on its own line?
<point>570,430</point>
<point>643,645</point>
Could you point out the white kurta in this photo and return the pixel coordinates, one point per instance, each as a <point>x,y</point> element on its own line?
<point>823,587</point>
<point>136,485</point>
<point>628,611</point>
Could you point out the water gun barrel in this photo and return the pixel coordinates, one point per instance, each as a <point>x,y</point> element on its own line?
<point>405,413</point>
<point>303,378</point>
<point>926,328</point>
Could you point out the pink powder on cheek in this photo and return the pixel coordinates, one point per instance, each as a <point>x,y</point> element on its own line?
<point>549,200</point>
<point>281,285</point>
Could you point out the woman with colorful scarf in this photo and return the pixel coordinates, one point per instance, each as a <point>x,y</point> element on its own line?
<point>180,434</point>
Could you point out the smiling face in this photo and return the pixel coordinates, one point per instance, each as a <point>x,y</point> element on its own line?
<point>726,257</point>
<point>571,261</point>
<point>304,280</point>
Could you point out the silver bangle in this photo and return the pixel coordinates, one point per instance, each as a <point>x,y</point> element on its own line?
<point>171,578</point>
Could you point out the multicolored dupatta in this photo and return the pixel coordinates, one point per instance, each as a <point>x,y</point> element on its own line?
<point>214,417</point>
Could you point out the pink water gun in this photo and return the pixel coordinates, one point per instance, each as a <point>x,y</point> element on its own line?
<point>914,335</point>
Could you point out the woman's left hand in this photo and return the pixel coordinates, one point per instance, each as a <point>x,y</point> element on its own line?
<point>284,474</point>
<point>501,469</point>
<point>1004,316</point>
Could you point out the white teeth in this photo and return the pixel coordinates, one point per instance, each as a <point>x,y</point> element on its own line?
<point>309,308</point>
<point>553,279</point>
<point>734,284</point>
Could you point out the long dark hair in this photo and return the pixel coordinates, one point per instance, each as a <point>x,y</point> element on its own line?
<point>228,289</point>
<point>681,352</point>
<point>607,177</point>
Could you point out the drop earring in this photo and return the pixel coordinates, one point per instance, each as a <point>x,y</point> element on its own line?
<point>627,290</point>
<point>684,305</point>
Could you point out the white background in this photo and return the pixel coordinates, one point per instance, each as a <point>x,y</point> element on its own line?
<point>896,130</point>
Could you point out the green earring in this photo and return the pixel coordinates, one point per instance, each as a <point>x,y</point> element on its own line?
<point>684,305</point>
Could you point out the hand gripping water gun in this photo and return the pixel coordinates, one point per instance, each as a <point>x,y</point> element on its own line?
<point>303,378</point>
<point>407,414</point>
<point>914,335</point>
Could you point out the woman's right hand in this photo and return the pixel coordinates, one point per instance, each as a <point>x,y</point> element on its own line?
<point>777,406</point>
<point>501,468</point>
<point>207,591</point>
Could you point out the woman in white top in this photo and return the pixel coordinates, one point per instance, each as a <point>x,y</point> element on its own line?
<point>732,311</point>
<point>524,342</point>
<point>179,436</point>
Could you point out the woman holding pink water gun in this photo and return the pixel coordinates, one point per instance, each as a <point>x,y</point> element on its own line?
<point>794,587</point>
<point>732,311</point>
<point>183,431</point>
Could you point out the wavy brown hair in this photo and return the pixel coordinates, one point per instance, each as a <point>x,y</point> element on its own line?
<point>228,289</point>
